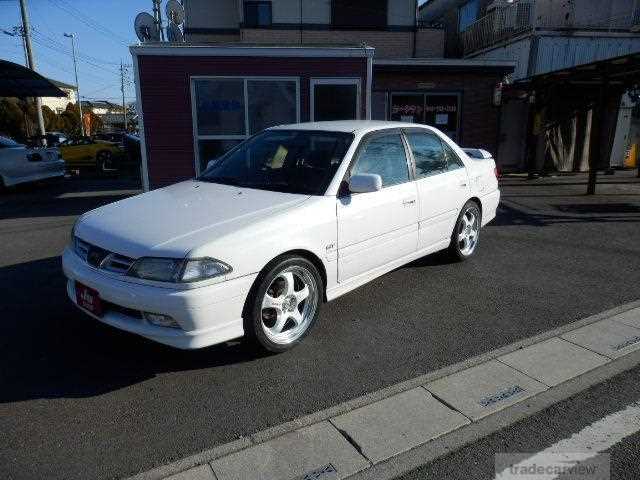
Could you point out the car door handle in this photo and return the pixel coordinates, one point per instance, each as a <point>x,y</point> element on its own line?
<point>409,201</point>
<point>463,184</point>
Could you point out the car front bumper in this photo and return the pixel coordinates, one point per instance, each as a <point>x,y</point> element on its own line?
<point>207,315</point>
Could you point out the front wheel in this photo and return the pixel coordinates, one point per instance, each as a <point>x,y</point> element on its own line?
<point>106,162</point>
<point>284,304</point>
<point>466,234</point>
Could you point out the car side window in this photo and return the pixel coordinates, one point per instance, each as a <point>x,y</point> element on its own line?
<point>428,154</point>
<point>384,155</point>
<point>453,160</point>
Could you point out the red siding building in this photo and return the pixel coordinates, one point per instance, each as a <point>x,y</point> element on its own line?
<point>196,102</point>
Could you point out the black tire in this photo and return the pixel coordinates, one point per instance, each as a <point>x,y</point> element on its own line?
<point>254,318</point>
<point>105,162</point>
<point>457,249</point>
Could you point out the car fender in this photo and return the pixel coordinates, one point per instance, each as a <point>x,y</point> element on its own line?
<point>308,227</point>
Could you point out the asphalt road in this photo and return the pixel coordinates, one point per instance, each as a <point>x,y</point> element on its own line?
<point>547,428</point>
<point>81,400</point>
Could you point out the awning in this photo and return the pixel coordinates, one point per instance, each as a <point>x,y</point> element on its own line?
<point>623,71</point>
<point>21,82</point>
<point>447,65</point>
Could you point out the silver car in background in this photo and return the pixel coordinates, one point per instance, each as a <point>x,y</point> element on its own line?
<point>19,164</point>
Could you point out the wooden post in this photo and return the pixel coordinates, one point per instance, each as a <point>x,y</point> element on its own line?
<point>595,150</point>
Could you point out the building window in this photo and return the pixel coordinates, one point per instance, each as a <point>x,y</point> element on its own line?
<point>335,99</point>
<point>257,14</point>
<point>227,110</point>
<point>360,13</point>
<point>271,102</point>
<point>468,14</point>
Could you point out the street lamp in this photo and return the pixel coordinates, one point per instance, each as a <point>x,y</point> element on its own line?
<point>75,68</point>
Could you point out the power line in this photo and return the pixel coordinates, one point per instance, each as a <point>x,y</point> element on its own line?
<point>101,89</point>
<point>80,54</point>
<point>87,20</point>
<point>51,42</point>
<point>58,49</point>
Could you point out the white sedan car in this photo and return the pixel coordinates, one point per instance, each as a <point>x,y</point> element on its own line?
<point>292,217</point>
<point>19,164</point>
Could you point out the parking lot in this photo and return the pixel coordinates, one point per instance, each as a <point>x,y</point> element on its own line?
<point>79,399</point>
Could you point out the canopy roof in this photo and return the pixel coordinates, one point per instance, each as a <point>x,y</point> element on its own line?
<point>19,81</point>
<point>623,71</point>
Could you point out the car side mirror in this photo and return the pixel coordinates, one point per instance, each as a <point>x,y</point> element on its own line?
<point>365,183</point>
<point>211,163</point>
<point>34,157</point>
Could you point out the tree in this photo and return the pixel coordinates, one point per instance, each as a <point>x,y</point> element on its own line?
<point>18,119</point>
<point>12,121</point>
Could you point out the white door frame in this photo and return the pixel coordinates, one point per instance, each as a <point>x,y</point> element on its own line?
<point>335,81</point>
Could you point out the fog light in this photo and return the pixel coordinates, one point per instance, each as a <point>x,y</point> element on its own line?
<point>160,320</point>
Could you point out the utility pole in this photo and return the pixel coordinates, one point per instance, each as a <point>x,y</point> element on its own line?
<point>26,31</point>
<point>124,106</point>
<point>157,14</point>
<point>75,69</point>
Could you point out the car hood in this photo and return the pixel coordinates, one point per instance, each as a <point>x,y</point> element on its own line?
<point>172,221</point>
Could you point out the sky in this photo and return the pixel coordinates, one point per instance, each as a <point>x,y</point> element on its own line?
<point>103,30</point>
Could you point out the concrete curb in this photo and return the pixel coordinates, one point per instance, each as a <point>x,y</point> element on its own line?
<point>514,393</point>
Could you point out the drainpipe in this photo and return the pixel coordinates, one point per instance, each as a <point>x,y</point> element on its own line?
<point>415,30</point>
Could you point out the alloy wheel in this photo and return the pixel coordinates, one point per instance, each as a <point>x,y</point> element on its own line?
<point>289,305</point>
<point>468,231</point>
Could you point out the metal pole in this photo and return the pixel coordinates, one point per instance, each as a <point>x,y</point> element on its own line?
<point>26,29</point>
<point>124,107</point>
<point>75,69</point>
<point>595,154</point>
<point>158,14</point>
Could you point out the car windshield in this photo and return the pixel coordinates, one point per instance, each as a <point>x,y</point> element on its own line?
<point>291,161</point>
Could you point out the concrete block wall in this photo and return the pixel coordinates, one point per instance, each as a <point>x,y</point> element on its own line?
<point>430,43</point>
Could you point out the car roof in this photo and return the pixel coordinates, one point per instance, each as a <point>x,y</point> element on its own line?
<point>348,126</point>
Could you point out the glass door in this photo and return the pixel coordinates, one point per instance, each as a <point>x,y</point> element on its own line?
<point>438,110</point>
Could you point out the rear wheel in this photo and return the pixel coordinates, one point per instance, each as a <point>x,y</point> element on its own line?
<point>466,234</point>
<point>284,304</point>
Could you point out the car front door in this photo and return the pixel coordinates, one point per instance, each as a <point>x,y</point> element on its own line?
<point>376,228</point>
<point>442,183</point>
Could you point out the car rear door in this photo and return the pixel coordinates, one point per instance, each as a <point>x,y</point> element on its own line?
<point>442,184</point>
<point>376,228</point>
<point>13,163</point>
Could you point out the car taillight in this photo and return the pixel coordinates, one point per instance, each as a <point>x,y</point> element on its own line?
<point>496,172</point>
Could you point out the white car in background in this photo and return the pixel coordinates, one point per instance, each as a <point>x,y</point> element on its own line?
<point>294,216</point>
<point>19,164</point>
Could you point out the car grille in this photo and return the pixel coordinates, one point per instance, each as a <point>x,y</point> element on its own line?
<point>103,259</point>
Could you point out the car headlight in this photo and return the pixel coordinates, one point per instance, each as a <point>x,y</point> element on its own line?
<point>178,271</point>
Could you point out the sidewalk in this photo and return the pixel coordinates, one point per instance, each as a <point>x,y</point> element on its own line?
<point>391,431</point>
